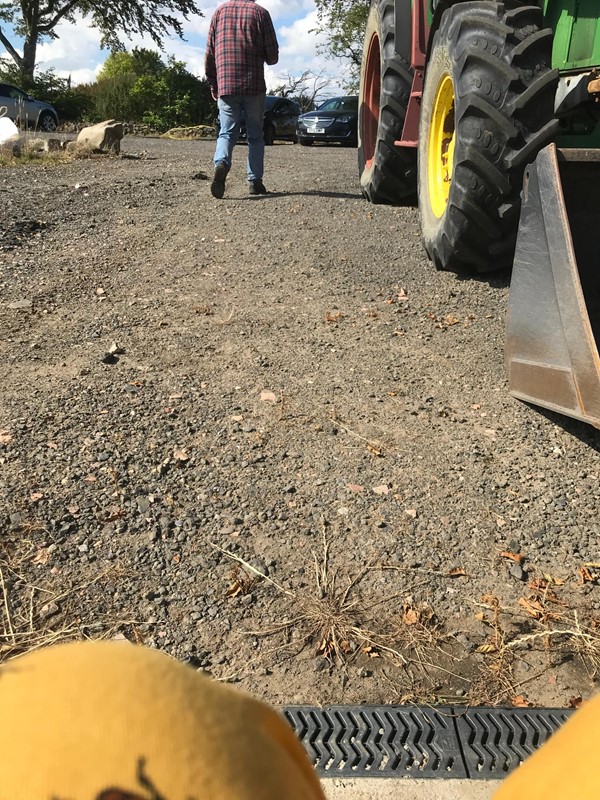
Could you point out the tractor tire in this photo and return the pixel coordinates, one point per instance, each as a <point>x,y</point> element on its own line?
<point>388,174</point>
<point>486,112</point>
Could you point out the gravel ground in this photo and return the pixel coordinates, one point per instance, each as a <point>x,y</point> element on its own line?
<point>192,386</point>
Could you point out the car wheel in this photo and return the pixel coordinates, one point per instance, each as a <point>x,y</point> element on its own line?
<point>269,135</point>
<point>47,122</point>
<point>306,142</point>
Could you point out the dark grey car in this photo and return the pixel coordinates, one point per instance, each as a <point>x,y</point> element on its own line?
<point>336,120</point>
<point>23,109</point>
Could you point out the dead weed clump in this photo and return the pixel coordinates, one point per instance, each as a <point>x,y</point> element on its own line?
<point>340,618</point>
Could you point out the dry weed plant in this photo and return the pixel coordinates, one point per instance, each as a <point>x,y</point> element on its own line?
<point>34,616</point>
<point>340,621</point>
<point>542,624</point>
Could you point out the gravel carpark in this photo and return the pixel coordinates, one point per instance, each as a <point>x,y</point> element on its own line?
<point>265,436</point>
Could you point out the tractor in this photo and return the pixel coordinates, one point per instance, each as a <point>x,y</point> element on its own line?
<point>488,114</point>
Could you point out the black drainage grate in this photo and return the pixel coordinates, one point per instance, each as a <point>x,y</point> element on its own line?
<point>496,740</point>
<point>404,741</point>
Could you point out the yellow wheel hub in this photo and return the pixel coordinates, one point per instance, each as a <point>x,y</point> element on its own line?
<point>440,156</point>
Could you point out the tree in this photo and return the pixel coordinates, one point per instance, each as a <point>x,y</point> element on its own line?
<point>140,87</point>
<point>343,23</point>
<point>307,90</point>
<point>35,20</point>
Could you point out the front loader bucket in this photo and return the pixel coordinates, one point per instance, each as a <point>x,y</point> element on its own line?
<point>553,325</point>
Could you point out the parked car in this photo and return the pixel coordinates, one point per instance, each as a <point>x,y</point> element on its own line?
<point>23,109</point>
<point>281,118</point>
<point>336,120</point>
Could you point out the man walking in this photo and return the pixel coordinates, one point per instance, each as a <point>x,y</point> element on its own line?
<point>241,39</point>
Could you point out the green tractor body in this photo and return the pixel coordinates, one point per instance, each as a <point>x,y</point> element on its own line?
<point>488,113</point>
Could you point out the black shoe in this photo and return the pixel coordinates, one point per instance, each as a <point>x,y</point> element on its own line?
<point>257,187</point>
<point>217,187</point>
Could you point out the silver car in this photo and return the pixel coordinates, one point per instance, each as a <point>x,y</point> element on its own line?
<point>26,111</point>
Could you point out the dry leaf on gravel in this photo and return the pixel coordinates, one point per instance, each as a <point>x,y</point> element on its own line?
<point>381,490</point>
<point>457,572</point>
<point>334,316</point>
<point>268,397</point>
<point>517,557</point>
<point>532,607</point>
<point>5,437</point>
<point>519,701</point>
<point>355,487</point>
<point>411,512</point>
<point>181,454</point>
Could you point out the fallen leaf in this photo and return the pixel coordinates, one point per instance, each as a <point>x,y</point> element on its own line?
<point>268,397</point>
<point>500,522</point>
<point>355,487</point>
<point>41,557</point>
<point>532,607</point>
<point>5,437</point>
<point>90,479</point>
<point>410,617</point>
<point>553,680</point>
<point>402,295</point>
<point>517,557</point>
<point>480,616</point>
<point>237,418</point>
<point>374,449</point>
<point>181,454</point>
<point>586,576</point>
<point>52,445</point>
<point>381,490</point>
<point>457,572</point>
<point>476,406</point>
<point>576,702</point>
<point>520,702</point>
<point>34,496</point>
<point>371,651</point>
<point>334,316</point>
<point>411,512</point>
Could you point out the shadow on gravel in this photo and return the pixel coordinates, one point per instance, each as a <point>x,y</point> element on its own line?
<point>313,193</point>
<point>587,434</point>
<point>495,280</point>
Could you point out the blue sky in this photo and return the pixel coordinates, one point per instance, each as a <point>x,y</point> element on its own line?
<point>77,50</point>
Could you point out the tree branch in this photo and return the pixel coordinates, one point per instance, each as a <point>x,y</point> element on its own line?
<point>13,53</point>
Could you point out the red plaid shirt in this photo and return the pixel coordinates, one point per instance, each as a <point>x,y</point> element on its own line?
<point>241,38</point>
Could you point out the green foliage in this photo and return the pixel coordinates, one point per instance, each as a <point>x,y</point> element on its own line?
<point>343,22</point>
<point>142,88</point>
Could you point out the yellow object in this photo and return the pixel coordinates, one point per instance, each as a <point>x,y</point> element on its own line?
<point>110,721</point>
<point>566,767</point>
<point>440,155</point>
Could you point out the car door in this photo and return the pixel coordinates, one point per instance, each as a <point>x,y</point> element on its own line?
<point>8,102</point>
<point>286,116</point>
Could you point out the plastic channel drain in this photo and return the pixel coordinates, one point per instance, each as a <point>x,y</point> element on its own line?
<point>421,742</point>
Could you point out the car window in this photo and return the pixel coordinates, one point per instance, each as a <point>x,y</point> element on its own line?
<point>349,104</point>
<point>4,90</point>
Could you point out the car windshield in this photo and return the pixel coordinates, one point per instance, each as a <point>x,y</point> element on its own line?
<point>340,104</point>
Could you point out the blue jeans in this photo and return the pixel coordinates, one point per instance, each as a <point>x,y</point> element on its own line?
<point>230,115</point>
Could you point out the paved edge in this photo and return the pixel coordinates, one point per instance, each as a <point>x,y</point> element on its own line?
<point>407,789</point>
